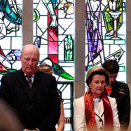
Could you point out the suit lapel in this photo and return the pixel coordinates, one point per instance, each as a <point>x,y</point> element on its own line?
<point>114,92</point>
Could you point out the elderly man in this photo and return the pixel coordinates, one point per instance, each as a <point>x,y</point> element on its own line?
<point>31,93</point>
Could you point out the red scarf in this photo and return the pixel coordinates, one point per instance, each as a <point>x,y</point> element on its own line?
<point>90,113</point>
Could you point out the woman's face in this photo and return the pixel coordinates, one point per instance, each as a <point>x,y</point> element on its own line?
<point>97,85</point>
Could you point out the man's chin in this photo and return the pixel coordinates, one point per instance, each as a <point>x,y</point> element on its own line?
<point>29,72</point>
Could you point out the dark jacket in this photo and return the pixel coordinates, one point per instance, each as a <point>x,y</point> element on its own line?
<point>120,91</point>
<point>38,107</point>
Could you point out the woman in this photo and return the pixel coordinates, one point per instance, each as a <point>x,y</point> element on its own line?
<point>47,69</point>
<point>95,111</point>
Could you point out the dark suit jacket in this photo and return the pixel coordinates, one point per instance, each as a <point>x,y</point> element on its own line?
<point>120,91</point>
<point>38,107</point>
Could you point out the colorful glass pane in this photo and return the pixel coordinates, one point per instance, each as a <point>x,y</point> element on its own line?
<point>54,25</point>
<point>10,35</point>
<point>106,33</point>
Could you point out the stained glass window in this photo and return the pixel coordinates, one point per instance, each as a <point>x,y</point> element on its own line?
<point>106,33</point>
<point>53,33</point>
<point>10,35</point>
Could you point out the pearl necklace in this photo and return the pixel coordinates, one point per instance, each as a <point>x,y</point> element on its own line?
<point>96,99</point>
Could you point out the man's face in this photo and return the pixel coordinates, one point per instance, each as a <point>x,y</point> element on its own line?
<point>29,59</point>
<point>112,78</point>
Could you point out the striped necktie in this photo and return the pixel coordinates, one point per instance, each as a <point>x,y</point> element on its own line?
<point>29,81</point>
